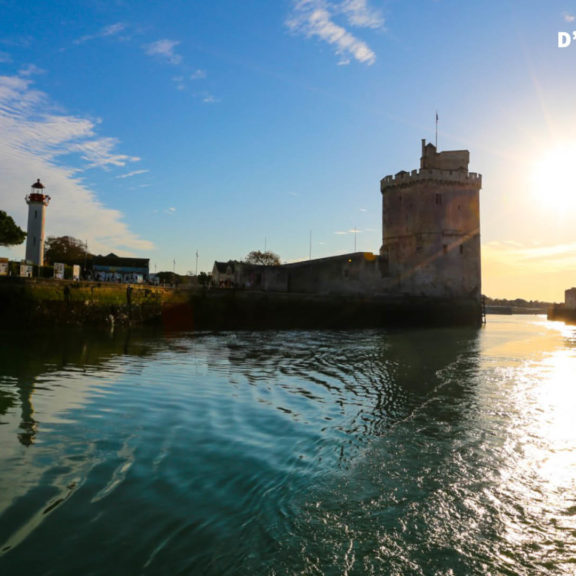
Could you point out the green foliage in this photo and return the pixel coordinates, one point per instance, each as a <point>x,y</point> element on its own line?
<point>44,271</point>
<point>266,258</point>
<point>10,233</point>
<point>204,279</point>
<point>169,278</point>
<point>65,249</point>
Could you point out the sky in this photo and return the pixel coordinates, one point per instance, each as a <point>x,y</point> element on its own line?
<point>188,131</point>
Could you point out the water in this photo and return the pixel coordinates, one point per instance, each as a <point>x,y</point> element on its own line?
<point>415,452</point>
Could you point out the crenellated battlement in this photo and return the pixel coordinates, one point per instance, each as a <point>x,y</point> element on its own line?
<point>433,175</point>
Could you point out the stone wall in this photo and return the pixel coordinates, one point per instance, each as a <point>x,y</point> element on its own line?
<point>448,160</point>
<point>355,273</point>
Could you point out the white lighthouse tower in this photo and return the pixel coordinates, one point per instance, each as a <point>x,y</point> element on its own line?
<point>37,201</point>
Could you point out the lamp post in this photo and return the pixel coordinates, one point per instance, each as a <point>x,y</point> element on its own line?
<point>85,257</point>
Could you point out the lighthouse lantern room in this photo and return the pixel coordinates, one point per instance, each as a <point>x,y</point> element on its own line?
<point>37,201</point>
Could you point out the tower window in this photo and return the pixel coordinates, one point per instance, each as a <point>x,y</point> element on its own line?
<point>35,213</point>
<point>445,248</point>
<point>461,248</point>
<point>438,199</point>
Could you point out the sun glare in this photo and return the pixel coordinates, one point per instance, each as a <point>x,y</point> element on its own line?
<point>553,177</point>
<point>555,420</point>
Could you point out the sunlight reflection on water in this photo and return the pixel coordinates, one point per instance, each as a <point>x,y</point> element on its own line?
<point>537,372</point>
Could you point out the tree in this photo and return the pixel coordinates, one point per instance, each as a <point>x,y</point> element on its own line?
<point>65,249</point>
<point>204,279</point>
<point>166,277</point>
<point>263,258</point>
<point>10,233</point>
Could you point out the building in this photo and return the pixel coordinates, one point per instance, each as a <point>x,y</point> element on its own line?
<point>4,266</point>
<point>225,274</point>
<point>112,268</point>
<point>431,227</point>
<point>430,243</point>
<point>565,312</point>
<point>37,202</point>
<point>244,275</point>
<point>570,299</point>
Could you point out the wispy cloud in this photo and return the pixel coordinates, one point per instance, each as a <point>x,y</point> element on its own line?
<point>30,70</point>
<point>198,75</point>
<point>38,142</point>
<point>99,153</point>
<point>182,79</point>
<point>513,269</point>
<point>133,173</point>
<point>165,49</point>
<point>317,19</point>
<point>541,263</point>
<point>111,30</point>
<point>348,232</point>
<point>5,58</point>
<point>361,15</point>
<point>180,82</point>
<point>209,99</point>
<point>515,254</point>
<point>568,17</point>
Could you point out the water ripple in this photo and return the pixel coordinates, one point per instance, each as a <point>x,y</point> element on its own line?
<point>281,453</point>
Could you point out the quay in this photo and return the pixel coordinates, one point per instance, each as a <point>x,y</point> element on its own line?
<point>30,303</point>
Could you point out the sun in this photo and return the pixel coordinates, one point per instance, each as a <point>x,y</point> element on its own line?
<point>554,177</point>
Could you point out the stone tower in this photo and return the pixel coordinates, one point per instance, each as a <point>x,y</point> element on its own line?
<point>37,201</point>
<point>431,227</point>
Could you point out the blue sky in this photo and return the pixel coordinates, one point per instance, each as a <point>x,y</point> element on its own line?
<point>166,128</point>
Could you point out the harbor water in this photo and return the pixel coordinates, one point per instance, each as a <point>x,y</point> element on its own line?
<point>387,452</point>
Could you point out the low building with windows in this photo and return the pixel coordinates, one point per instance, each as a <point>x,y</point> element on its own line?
<point>113,268</point>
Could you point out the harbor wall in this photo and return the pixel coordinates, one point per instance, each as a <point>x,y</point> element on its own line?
<point>233,310</point>
<point>30,304</point>
<point>562,313</point>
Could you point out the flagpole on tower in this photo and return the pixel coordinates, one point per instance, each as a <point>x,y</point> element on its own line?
<point>436,142</point>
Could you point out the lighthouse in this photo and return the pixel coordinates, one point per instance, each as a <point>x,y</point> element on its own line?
<point>37,201</point>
